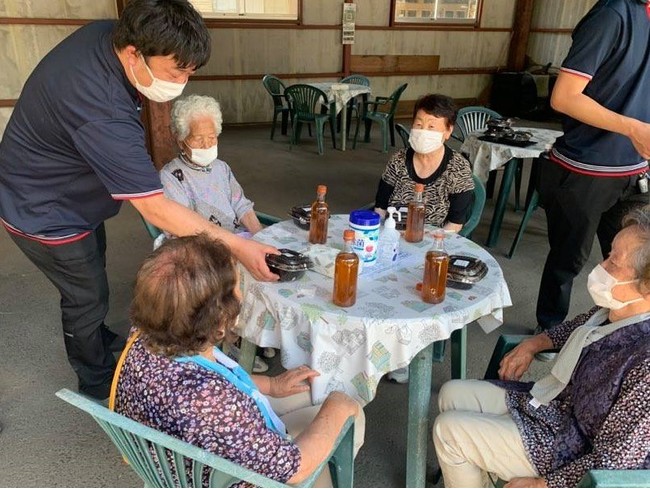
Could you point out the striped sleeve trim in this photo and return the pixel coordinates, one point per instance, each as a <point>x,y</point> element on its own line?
<point>47,240</point>
<point>139,195</point>
<point>576,72</point>
<point>598,170</point>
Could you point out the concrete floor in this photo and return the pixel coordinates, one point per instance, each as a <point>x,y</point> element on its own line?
<point>48,443</point>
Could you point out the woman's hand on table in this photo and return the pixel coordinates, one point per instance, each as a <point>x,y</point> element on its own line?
<point>291,382</point>
<point>252,255</point>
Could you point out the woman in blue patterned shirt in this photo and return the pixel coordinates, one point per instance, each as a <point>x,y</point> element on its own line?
<point>591,412</point>
<point>175,379</point>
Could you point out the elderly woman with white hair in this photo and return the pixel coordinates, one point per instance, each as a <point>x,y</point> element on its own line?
<point>591,412</point>
<point>196,178</point>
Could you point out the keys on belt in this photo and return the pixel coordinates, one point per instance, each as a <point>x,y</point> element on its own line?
<point>642,183</point>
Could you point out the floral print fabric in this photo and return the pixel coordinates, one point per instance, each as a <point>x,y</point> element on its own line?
<point>602,419</point>
<point>200,407</point>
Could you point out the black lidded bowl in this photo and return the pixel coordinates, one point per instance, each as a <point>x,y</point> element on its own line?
<point>301,216</point>
<point>289,265</point>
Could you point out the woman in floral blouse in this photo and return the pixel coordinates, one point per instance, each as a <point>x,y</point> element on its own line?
<point>591,412</point>
<point>445,173</point>
<point>176,380</point>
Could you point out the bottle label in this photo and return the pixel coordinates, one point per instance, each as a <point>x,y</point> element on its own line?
<point>365,243</point>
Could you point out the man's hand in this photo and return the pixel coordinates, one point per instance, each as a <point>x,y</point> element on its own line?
<point>291,382</point>
<point>640,137</point>
<point>252,255</point>
<point>527,482</point>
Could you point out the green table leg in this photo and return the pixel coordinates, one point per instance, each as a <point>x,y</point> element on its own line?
<point>502,200</point>
<point>247,356</point>
<point>459,353</point>
<point>418,417</point>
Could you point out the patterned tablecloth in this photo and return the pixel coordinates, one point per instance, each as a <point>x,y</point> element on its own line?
<point>340,93</point>
<point>354,347</point>
<point>486,156</point>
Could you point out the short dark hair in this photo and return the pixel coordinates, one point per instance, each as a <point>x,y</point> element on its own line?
<point>184,296</point>
<point>437,105</point>
<point>164,27</point>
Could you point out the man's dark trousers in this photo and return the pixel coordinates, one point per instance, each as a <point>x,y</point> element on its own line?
<point>578,207</point>
<point>78,271</point>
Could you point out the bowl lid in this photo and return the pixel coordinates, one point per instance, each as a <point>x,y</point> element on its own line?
<point>466,269</point>
<point>289,261</point>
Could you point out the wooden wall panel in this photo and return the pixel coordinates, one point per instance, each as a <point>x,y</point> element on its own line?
<point>59,9</point>
<point>498,13</point>
<point>21,49</point>
<point>5,113</point>
<point>549,47</point>
<point>371,12</point>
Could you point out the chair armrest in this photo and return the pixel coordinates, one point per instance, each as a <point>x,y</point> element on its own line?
<point>505,343</point>
<point>267,219</point>
<point>615,478</point>
<point>340,458</point>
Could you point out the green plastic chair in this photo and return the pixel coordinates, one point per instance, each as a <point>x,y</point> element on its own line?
<point>385,118</point>
<point>472,119</point>
<point>136,442</point>
<point>353,104</point>
<point>275,87</point>
<point>306,102</point>
<point>476,209</point>
<point>404,134</point>
<point>593,478</point>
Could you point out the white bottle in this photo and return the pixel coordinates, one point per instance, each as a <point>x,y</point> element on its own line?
<point>388,244</point>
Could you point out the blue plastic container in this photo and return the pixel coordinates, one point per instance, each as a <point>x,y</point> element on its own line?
<point>365,224</point>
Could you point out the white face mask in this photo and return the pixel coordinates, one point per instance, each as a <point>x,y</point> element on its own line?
<point>600,284</point>
<point>204,157</point>
<point>159,90</point>
<point>424,141</point>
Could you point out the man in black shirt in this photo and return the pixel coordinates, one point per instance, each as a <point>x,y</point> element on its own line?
<point>74,149</point>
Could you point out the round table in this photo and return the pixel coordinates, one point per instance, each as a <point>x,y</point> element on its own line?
<point>486,156</point>
<point>389,326</point>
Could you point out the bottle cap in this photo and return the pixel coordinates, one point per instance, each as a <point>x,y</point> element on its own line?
<point>321,189</point>
<point>348,235</point>
<point>419,187</point>
<point>439,234</point>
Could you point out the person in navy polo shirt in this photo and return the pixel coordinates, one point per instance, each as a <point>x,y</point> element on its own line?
<point>597,170</point>
<point>74,149</point>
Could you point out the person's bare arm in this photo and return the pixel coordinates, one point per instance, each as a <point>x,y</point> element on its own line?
<point>181,221</point>
<point>568,98</point>
<point>251,222</point>
<point>317,440</point>
<point>452,226</point>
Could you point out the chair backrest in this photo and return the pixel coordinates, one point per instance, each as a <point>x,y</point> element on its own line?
<point>160,459</point>
<point>305,100</point>
<point>394,98</point>
<point>476,209</point>
<point>472,119</point>
<point>356,80</point>
<point>275,87</point>
<point>404,134</point>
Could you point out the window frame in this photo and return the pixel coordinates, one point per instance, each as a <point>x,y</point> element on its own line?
<point>222,20</point>
<point>435,24</point>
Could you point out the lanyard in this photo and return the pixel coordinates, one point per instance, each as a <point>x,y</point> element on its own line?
<point>237,376</point>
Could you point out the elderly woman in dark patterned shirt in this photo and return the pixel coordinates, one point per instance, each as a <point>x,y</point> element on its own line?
<point>591,412</point>
<point>176,380</point>
<point>445,173</point>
